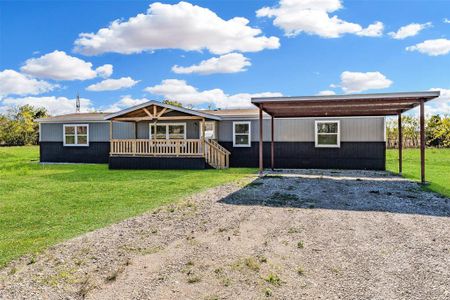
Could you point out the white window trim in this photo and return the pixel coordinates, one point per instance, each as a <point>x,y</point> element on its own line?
<point>76,135</point>
<point>316,133</point>
<point>249,134</point>
<point>214,130</point>
<point>167,129</point>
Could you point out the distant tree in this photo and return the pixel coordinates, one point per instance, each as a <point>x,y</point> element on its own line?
<point>173,102</point>
<point>433,131</point>
<point>18,126</point>
<point>445,132</point>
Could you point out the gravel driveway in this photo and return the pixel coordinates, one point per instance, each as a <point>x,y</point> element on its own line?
<point>306,234</point>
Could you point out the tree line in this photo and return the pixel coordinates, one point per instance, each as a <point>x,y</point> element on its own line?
<point>18,128</point>
<point>437,132</point>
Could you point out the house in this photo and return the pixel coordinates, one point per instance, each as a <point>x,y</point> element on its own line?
<point>343,132</point>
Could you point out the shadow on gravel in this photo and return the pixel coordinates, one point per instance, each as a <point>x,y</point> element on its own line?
<point>341,190</point>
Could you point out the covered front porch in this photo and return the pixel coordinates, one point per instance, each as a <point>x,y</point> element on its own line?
<point>175,135</point>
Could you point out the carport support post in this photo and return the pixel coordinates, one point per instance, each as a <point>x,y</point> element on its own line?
<point>400,143</point>
<point>422,141</point>
<point>272,158</point>
<point>261,163</point>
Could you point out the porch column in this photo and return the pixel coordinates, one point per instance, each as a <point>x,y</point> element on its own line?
<point>422,141</point>
<point>135,130</point>
<point>110,130</point>
<point>203,137</point>
<point>261,162</point>
<point>400,143</point>
<point>272,150</point>
<point>111,147</point>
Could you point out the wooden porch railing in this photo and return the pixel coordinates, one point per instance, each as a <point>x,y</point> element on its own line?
<point>216,155</point>
<point>190,147</point>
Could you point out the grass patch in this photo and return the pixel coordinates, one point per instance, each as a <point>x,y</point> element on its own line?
<point>437,167</point>
<point>273,279</point>
<point>41,205</point>
<point>293,230</point>
<point>252,264</point>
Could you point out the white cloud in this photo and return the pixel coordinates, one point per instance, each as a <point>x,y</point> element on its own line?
<point>179,26</point>
<point>440,105</point>
<point>125,102</point>
<point>326,93</point>
<point>447,21</point>
<point>432,47</point>
<point>373,30</point>
<point>227,63</point>
<point>112,84</point>
<point>58,65</point>
<point>54,105</point>
<point>15,83</point>
<point>355,82</point>
<point>104,71</point>
<point>313,17</point>
<point>179,90</point>
<point>409,30</point>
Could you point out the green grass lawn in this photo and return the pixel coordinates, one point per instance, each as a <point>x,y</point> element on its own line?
<point>437,167</point>
<point>41,205</point>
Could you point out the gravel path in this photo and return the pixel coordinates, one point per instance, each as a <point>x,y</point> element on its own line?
<point>310,234</point>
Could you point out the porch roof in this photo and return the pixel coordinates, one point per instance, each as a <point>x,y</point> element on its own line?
<point>343,105</point>
<point>143,107</point>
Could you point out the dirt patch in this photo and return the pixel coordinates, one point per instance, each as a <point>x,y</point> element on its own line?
<point>291,235</point>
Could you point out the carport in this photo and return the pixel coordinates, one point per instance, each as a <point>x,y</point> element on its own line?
<point>385,104</point>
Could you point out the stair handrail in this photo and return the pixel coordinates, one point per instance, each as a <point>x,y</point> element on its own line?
<point>217,145</point>
<point>214,160</point>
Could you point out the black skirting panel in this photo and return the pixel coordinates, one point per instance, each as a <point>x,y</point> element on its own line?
<point>304,155</point>
<point>156,163</point>
<point>96,152</point>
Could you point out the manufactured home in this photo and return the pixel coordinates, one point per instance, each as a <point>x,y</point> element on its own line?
<point>342,132</point>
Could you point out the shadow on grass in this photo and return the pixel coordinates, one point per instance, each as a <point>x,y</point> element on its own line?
<point>341,190</point>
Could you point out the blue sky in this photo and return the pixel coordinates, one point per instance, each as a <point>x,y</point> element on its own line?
<point>226,51</point>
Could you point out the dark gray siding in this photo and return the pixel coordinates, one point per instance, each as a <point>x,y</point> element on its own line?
<point>97,152</point>
<point>293,155</point>
<point>302,130</point>
<point>156,163</point>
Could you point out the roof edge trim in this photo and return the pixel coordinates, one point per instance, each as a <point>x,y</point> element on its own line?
<point>427,95</point>
<point>173,107</point>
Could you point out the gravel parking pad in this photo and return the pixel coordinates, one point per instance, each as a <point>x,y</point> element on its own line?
<point>304,234</point>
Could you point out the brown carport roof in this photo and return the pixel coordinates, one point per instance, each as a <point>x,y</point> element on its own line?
<point>343,105</point>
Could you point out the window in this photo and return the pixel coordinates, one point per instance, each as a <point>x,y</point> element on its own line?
<point>76,135</point>
<point>168,131</point>
<point>210,130</point>
<point>328,134</point>
<point>241,134</point>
